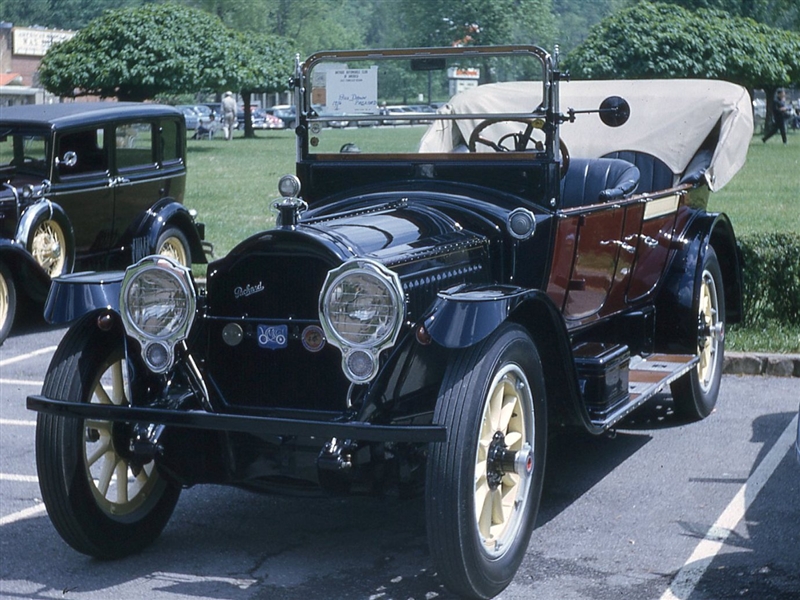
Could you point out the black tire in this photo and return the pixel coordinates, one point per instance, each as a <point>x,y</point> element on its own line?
<point>50,244</point>
<point>78,463</point>
<point>8,302</point>
<point>477,554</point>
<point>172,243</point>
<point>695,394</point>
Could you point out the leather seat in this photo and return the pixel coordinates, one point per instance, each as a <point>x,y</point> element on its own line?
<point>594,180</point>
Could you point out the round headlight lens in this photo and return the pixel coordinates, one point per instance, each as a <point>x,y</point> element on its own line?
<point>158,302</point>
<point>362,308</point>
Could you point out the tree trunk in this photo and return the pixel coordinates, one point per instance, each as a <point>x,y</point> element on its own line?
<point>248,120</point>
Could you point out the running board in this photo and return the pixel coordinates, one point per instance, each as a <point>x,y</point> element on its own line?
<point>646,378</point>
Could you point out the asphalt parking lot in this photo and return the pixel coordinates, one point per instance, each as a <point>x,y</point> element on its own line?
<point>663,510</point>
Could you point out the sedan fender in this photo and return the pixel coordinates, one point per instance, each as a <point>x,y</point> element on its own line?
<point>34,215</point>
<point>167,213</point>
<point>27,273</point>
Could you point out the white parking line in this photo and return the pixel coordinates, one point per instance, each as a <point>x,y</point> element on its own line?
<point>19,478</point>
<point>38,352</point>
<point>27,513</point>
<point>692,571</point>
<point>17,422</point>
<point>20,382</point>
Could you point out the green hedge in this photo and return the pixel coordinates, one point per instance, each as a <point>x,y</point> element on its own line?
<point>771,271</point>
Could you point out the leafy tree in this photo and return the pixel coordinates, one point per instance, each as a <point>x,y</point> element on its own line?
<point>266,63</point>
<point>784,14</point>
<point>136,54</point>
<point>473,22</point>
<point>666,41</point>
<point>59,14</point>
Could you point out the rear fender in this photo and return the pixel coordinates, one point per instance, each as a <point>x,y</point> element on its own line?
<point>676,323</point>
<point>166,213</point>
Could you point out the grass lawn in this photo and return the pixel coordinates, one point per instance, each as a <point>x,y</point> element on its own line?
<point>233,184</point>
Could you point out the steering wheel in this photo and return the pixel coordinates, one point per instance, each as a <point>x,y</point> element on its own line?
<point>521,140</point>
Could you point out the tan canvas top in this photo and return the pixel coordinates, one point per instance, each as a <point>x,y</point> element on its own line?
<point>669,119</point>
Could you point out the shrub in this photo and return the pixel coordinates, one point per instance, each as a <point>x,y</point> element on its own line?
<point>771,271</point>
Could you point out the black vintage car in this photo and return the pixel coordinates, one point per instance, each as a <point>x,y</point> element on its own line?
<point>434,302</point>
<point>89,185</point>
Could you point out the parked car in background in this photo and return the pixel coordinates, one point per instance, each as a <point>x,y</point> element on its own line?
<point>89,186</point>
<point>286,113</point>
<point>190,115</point>
<point>426,313</point>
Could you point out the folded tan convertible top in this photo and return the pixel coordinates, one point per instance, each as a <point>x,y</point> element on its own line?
<point>670,119</point>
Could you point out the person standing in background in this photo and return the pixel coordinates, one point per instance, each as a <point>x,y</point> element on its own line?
<point>781,111</point>
<point>228,115</point>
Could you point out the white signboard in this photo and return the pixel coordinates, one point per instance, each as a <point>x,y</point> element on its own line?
<point>352,91</point>
<point>36,42</point>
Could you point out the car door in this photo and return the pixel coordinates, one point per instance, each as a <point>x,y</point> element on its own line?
<point>81,187</point>
<point>139,179</point>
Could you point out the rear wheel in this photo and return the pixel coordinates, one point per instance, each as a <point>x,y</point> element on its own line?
<point>484,484</point>
<point>695,394</point>
<point>8,302</point>
<point>172,243</point>
<point>101,500</point>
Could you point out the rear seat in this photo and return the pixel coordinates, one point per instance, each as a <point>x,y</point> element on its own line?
<point>654,174</point>
<point>593,180</point>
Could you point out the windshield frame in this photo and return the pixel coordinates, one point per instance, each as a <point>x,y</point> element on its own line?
<point>308,119</point>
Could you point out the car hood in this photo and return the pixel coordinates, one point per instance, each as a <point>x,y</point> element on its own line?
<point>420,243</point>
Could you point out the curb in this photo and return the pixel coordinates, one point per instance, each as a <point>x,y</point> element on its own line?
<point>774,365</point>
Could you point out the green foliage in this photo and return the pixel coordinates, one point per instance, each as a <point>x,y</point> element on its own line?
<point>136,54</point>
<point>771,278</point>
<point>473,22</point>
<point>655,40</point>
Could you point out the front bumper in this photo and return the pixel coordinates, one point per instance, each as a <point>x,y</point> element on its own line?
<point>197,419</point>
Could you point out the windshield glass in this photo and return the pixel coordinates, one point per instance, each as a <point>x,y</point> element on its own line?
<point>25,152</point>
<point>424,102</point>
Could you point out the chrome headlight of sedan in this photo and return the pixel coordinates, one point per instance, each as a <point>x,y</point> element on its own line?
<point>361,310</point>
<point>157,302</point>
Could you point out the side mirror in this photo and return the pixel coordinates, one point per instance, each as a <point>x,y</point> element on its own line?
<point>615,111</point>
<point>70,159</point>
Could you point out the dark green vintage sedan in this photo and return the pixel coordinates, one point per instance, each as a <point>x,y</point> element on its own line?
<point>89,185</point>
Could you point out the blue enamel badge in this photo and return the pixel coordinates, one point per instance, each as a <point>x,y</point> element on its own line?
<point>273,337</point>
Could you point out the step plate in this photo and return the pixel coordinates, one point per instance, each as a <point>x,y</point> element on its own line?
<point>648,377</point>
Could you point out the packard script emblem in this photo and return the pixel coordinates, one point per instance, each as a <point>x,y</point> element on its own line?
<point>248,290</point>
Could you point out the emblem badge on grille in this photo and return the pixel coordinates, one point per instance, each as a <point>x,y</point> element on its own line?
<point>273,337</point>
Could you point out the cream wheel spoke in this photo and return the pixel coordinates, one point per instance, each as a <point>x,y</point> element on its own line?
<point>110,459</point>
<point>122,482</point>
<point>117,384</point>
<point>102,447</point>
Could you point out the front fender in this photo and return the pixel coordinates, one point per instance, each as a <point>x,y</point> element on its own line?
<point>166,213</point>
<point>45,209</point>
<point>28,274</point>
<point>467,314</point>
<point>73,296</point>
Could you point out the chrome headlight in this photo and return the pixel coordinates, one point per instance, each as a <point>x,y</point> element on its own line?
<point>157,302</point>
<point>361,311</point>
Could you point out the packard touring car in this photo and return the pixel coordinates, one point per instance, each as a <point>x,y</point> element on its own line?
<point>89,185</point>
<point>434,301</point>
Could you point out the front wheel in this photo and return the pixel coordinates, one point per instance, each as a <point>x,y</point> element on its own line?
<point>484,484</point>
<point>695,394</point>
<point>8,302</point>
<point>102,500</point>
<point>49,246</point>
